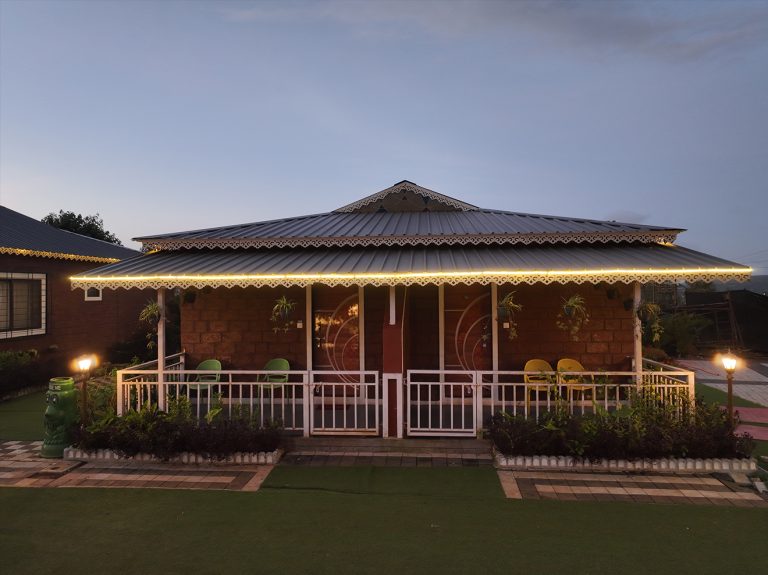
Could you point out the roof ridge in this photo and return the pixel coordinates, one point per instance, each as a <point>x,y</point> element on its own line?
<point>409,186</point>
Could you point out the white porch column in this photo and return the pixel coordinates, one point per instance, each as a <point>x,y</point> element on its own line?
<point>638,335</point>
<point>495,327</point>
<point>161,349</point>
<point>441,326</point>
<point>361,326</point>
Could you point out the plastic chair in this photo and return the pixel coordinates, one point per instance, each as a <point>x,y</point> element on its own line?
<point>277,364</point>
<point>541,366</point>
<point>575,382</point>
<point>204,380</point>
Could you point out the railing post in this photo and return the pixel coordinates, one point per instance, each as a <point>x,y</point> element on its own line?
<point>384,406</point>
<point>692,385</point>
<point>307,403</point>
<point>477,387</point>
<point>120,393</point>
<point>638,335</point>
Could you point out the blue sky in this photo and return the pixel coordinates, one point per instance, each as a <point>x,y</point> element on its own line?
<point>164,116</point>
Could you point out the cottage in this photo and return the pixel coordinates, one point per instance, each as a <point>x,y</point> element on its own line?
<point>39,310</point>
<point>407,312</point>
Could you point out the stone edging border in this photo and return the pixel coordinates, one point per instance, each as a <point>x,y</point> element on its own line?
<point>561,462</point>
<point>259,458</point>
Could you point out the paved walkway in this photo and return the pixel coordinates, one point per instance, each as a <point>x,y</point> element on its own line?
<point>21,466</point>
<point>750,382</point>
<point>568,486</point>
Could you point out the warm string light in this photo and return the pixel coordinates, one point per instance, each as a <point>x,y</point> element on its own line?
<point>535,275</point>
<point>56,255</point>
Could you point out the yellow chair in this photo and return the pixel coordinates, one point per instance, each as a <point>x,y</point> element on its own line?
<point>575,382</point>
<point>540,367</point>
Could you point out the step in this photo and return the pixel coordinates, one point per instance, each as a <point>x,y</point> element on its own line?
<point>457,446</point>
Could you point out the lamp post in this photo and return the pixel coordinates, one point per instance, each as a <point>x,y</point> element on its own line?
<point>84,364</point>
<point>729,365</point>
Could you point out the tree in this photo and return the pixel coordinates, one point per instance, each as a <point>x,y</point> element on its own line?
<point>91,226</point>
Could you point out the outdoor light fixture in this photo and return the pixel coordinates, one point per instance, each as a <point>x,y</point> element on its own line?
<point>729,362</point>
<point>84,364</point>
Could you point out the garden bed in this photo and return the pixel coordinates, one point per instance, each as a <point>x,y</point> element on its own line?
<point>241,458</point>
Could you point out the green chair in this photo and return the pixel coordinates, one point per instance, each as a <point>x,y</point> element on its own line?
<point>203,381</point>
<point>277,364</point>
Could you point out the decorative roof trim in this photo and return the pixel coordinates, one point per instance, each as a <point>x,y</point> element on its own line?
<point>647,236</point>
<point>406,186</point>
<point>56,255</point>
<point>415,278</point>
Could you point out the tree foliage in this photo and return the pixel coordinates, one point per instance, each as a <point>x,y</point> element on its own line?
<point>91,226</point>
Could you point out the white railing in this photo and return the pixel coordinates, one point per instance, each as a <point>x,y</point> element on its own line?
<point>345,402</point>
<point>446,403</point>
<point>441,402</point>
<point>316,401</point>
<point>459,403</point>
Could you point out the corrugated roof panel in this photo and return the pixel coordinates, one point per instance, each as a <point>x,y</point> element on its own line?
<point>485,226</point>
<point>415,259</point>
<point>20,232</point>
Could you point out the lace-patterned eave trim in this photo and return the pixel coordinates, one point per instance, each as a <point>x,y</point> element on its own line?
<point>200,282</point>
<point>365,241</point>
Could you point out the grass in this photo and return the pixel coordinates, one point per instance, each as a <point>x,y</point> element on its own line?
<point>22,418</point>
<point>365,520</point>
<point>713,395</point>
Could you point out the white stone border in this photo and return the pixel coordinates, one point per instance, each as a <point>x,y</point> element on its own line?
<point>259,458</point>
<point>562,462</point>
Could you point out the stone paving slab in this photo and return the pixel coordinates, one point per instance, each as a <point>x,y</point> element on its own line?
<point>697,490</point>
<point>753,414</point>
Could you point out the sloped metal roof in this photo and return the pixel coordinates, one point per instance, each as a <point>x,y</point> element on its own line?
<point>414,265</point>
<point>22,235</point>
<point>412,228</point>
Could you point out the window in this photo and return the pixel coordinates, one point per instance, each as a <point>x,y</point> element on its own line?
<point>93,294</point>
<point>22,304</point>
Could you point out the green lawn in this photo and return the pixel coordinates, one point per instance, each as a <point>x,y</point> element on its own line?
<point>365,520</point>
<point>712,395</point>
<point>22,418</point>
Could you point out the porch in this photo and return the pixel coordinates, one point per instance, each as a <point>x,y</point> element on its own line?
<point>426,403</point>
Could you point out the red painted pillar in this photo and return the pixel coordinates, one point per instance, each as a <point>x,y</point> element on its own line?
<point>392,354</point>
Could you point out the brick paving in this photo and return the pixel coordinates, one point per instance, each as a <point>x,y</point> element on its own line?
<point>674,489</point>
<point>21,466</point>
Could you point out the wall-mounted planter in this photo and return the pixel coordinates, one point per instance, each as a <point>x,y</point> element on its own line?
<point>259,458</point>
<point>562,462</point>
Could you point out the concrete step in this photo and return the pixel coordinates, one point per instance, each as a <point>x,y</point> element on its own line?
<point>377,445</point>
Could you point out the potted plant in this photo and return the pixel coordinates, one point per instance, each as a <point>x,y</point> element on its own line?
<point>506,310</point>
<point>650,315</point>
<point>573,315</point>
<point>282,313</point>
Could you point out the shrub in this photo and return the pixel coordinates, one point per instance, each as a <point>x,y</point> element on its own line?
<point>650,428</point>
<point>681,332</point>
<point>19,369</point>
<point>166,434</point>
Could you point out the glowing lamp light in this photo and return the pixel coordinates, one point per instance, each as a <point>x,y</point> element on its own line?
<point>84,363</point>
<point>729,363</point>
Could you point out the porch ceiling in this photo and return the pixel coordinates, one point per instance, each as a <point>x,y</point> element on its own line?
<point>414,265</point>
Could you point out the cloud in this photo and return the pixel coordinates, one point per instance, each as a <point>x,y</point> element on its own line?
<point>677,29</point>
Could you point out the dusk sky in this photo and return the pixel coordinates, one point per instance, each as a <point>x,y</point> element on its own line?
<point>165,116</point>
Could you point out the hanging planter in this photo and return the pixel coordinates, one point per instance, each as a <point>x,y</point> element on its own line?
<point>573,316</point>
<point>650,316</point>
<point>282,314</point>
<point>505,311</point>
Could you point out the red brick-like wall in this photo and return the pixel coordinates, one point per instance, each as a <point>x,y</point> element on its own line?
<point>75,326</point>
<point>606,342</point>
<point>233,326</point>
